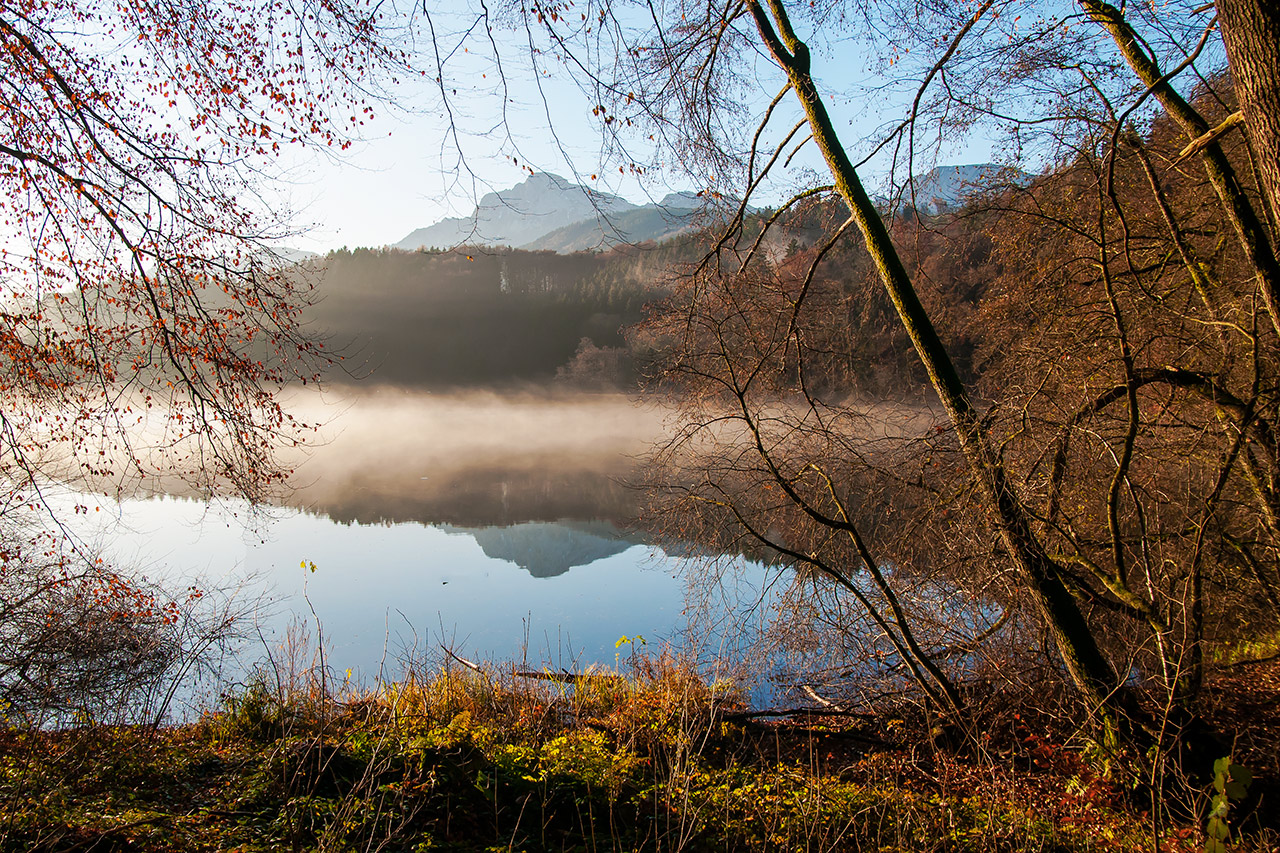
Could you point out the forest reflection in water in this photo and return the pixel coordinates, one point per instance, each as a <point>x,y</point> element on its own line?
<point>545,481</point>
<point>476,459</point>
<point>504,526</point>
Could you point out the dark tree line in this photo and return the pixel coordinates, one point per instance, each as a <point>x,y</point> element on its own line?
<point>475,316</point>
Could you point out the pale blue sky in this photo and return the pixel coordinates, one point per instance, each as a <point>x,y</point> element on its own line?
<point>407,172</point>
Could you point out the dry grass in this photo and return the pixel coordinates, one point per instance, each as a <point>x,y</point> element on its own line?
<point>647,758</point>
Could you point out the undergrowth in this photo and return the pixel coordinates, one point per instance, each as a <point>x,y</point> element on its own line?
<point>472,760</point>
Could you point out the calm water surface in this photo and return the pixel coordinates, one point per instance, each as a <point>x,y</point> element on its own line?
<point>500,526</point>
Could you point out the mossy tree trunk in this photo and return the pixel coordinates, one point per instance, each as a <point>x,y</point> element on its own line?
<point>1088,668</point>
<point>1251,30</point>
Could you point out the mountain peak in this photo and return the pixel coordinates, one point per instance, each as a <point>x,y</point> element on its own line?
<point>548,179</point>
<point>686,200</point>
<point>547,211</point>
<point>946,187</point>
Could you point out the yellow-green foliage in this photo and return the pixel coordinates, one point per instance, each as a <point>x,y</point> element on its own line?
<point>1237,651</point>
<point>470,761</point>
<point>586,754</point>
<point>489,703</point>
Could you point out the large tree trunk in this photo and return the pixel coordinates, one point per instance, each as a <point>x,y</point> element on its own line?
<point>1249,226</point>
<point>1251,30</point>
<point>1041,577</point>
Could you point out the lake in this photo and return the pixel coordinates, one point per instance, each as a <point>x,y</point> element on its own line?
<point>501,526</point>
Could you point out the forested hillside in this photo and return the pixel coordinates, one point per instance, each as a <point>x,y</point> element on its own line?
<point>477,316</point>
<point>489,317</point>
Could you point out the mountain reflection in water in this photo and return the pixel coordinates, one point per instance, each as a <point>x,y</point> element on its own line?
<point>542,481</point>
<point>500,526</point>
<point>546,549</point>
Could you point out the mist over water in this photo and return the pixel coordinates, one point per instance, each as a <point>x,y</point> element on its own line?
<point>503,526</point>
<point>476,458</point>
<point>499,525</point>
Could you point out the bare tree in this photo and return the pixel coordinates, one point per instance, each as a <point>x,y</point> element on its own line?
<point>1148,411</point>
<point>145,326</point>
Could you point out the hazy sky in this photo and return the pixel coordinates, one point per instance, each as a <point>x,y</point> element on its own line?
<point>428,154</point>
<point>408,173</point>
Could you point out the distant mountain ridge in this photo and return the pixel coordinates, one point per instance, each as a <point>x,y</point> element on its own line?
<point>677,212</point>
<point>546,211</point>
<point>944,188</point>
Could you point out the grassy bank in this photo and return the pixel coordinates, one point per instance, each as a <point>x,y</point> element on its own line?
<point>656,759</point>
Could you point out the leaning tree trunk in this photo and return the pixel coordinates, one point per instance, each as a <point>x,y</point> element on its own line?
<point>1249,226</point>
<point>1042,579</point>
<point>1251,30</point>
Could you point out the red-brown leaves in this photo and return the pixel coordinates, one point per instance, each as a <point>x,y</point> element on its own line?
<point>143,331</point>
